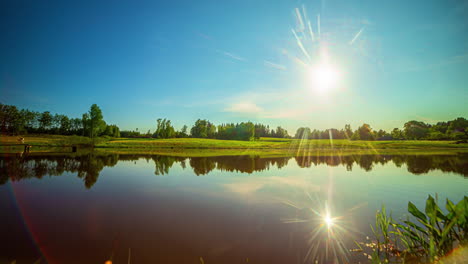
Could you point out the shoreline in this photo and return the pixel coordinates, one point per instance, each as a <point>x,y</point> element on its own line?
<point>213,147</point>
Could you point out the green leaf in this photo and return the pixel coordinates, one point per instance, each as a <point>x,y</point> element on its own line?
<point>412,209</point>
<point>461,211</point>
<point>447,230</point>
<point>431,208</point>
<point>450,206</point>
<point>451,209</point>
<point>413,225</point>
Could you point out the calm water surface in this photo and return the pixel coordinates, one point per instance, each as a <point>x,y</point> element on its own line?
<point>241,209</point>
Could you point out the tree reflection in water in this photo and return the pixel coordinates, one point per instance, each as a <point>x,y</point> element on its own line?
<point>88,166</point>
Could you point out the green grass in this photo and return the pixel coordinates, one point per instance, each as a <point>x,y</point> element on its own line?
<point>232,147</point>
<point>42,143</point>
<point>271,143</point>
<point>48,140</point>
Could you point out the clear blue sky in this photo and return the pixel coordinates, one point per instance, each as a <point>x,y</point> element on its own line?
<point>231,61</point>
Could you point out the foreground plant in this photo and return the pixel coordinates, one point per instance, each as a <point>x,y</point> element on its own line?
<point>426,240</point>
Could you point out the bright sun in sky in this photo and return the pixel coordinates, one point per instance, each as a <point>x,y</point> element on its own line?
<point>328,220</point>
<point>324,77</point>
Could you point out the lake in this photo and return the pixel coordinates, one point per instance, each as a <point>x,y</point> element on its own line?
<point>93,207</point>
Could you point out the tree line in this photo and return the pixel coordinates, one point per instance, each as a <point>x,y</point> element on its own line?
<point>16,121</point>
<point>456,129</point>
<point>206,129</point>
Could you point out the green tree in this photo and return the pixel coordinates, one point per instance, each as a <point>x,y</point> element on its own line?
<point>76,126</point>
<point>262,131</point>
<point>302,133</point>
<point>11,121</point>
<point>203,129</point>
<point>55,127</point>
<point>85,124</point>
<point>356,135</point>
<point>29,119</point>
<point>116,131</point>
<point>397,133</point>
<point>281,132</point>
<point>415,130</point>
<point>334,133</point>
<point>111,131</point>
<point>164,129</point>
<point>363,132</point>
<point>183,132</point>
<point>348,131</point>
<point>45,121</point>
<point>436,135</point>
<point>245,131</point>
<point>159,128</point>
<point>458,128</point>
<point>96,121</point>
<point>65,125</point>
<point>441,127</point>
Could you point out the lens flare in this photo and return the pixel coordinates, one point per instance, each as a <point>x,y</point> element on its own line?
<point>328,221</point>
<point>328,235</point>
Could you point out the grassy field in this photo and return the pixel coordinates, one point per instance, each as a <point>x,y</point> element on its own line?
<point>232,147</point>
<point>274,143</point>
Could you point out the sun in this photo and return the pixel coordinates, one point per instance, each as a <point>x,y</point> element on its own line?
<point>328,220</point>
<point>324,77</point>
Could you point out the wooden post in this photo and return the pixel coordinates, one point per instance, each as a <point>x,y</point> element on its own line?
<point>26,148</point>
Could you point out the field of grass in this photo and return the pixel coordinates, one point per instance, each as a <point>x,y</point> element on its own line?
<point>273,143</point>
<point>48,140</point>
<point>229,147</point>
<point>45,143</point>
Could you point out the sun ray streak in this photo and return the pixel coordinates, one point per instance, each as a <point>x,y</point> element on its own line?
<point>305,20</point>
<point>304,13</point>
<point>311,31</point>
<point>318,27</point>
<point>356,36</point>
<point>299,43</point>
<point>299,19</point>
<point>327,236</point>
<point>289,221</point>
<point>290,204</point>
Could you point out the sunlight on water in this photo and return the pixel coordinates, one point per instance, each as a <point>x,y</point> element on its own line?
<point>270,210</point>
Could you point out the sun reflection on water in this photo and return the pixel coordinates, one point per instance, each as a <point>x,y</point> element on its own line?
<point>327,231</point>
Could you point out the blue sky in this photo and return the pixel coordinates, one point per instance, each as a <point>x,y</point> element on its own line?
<point>236,61</point>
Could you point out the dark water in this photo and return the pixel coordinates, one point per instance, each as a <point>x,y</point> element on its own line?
<point>242,209</point>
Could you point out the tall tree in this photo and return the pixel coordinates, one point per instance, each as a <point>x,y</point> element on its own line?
<point>65,124</point>
<point>96,121</point>
<point>164,129</point>
<point>303,133</point>
<point>85,124</point>
<point>348,131</point>
<point>76,126</point>
<point>458,128</point>
<point>45,121</point>
<point>415,129</point>
<point>281,132</point>
<point>10,119</point>
<point>183,132</point>
<point>203,129</point>
<point>397,133</point>
<point>363,132</point>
